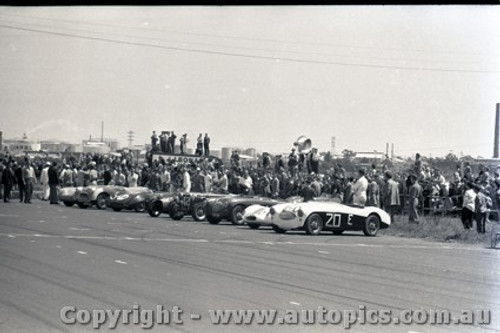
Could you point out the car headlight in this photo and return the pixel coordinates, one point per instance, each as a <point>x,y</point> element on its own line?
<point>123,197</point>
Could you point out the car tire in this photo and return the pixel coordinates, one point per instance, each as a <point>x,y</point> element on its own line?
<point>278,230</point>
<point>155,208</point>
<point>82,205</point>
<point>314,224</point>
<point>117,209</point>
<point>68,203</point>
<point>100,201</point>
<point>199,213</point>
<point>236,214</point>
<point>253,225</point>
<point>213,220</point>
<point>372,225</point>
<point>338,232</point>
<point>140,207</point>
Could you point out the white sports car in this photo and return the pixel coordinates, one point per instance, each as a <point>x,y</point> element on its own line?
<point>314,217</point>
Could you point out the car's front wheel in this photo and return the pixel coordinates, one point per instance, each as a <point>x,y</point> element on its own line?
<point>237,214</point>
<point>372,225</point>
<point>101,201</point>
<point>314,224</point>
<point>199,213</point>
<point>68,203</point>
<point>155,208</point>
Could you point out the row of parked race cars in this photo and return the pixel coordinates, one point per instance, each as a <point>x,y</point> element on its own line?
<point>322,214</point>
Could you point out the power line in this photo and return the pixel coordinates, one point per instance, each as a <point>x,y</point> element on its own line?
<point>243,47</point>
<point>149,29</point>
<point>241,55</point>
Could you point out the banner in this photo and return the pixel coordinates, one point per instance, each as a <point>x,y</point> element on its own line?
<point>186,158</point>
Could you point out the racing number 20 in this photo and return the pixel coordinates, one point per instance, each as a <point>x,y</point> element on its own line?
<point>334,220</point>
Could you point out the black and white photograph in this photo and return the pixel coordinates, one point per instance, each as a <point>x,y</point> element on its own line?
<point>267,168</point>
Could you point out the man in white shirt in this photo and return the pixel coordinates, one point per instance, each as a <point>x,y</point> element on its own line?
<point>44,180</point>
<point>186,180</point>
<point>132,178</point>
<point>359,189</point>
<point>245,183</point>
<point>468,206</point>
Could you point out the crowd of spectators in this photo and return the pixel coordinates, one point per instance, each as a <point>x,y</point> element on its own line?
<point>165,143</point>
<point>420,189</point>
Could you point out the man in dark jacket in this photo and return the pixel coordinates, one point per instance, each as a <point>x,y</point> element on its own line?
<point>18,171</point>
<point>53,182</point>
<point>8,180</point>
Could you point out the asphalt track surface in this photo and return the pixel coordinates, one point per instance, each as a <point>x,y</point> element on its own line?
<point>53,256</point>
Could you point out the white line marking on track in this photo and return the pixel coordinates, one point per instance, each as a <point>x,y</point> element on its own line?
<point>121,262</point>
<point>288,243</point>
<point>82,252</point>
<point>79,229</point>
<point>8,215</point>
<point>323,252</point>
<point>294,303</point>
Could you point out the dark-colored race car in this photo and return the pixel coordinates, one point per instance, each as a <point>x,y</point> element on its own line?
<point>95,195</point>
<point>177,205</point>
<point>131,198</point>
<point>231,208</point>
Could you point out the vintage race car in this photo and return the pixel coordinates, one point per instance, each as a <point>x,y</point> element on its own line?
<point>68,195</point>
<point>177,205</point>
<point>96,195</point>
<point>131,198</point>
<point>256,216</point>
<point>231,208</point>
<point>314,217</point>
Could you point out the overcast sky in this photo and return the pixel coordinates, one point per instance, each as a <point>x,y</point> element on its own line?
<point>425,78</point>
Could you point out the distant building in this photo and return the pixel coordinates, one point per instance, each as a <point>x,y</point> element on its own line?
<point>19,146</point>
<point>97,146</point>
<point>370,155</point>
<point>250,152</point>
<point>59,147</point>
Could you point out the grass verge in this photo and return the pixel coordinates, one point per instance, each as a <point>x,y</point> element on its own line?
<point>442,229</point>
